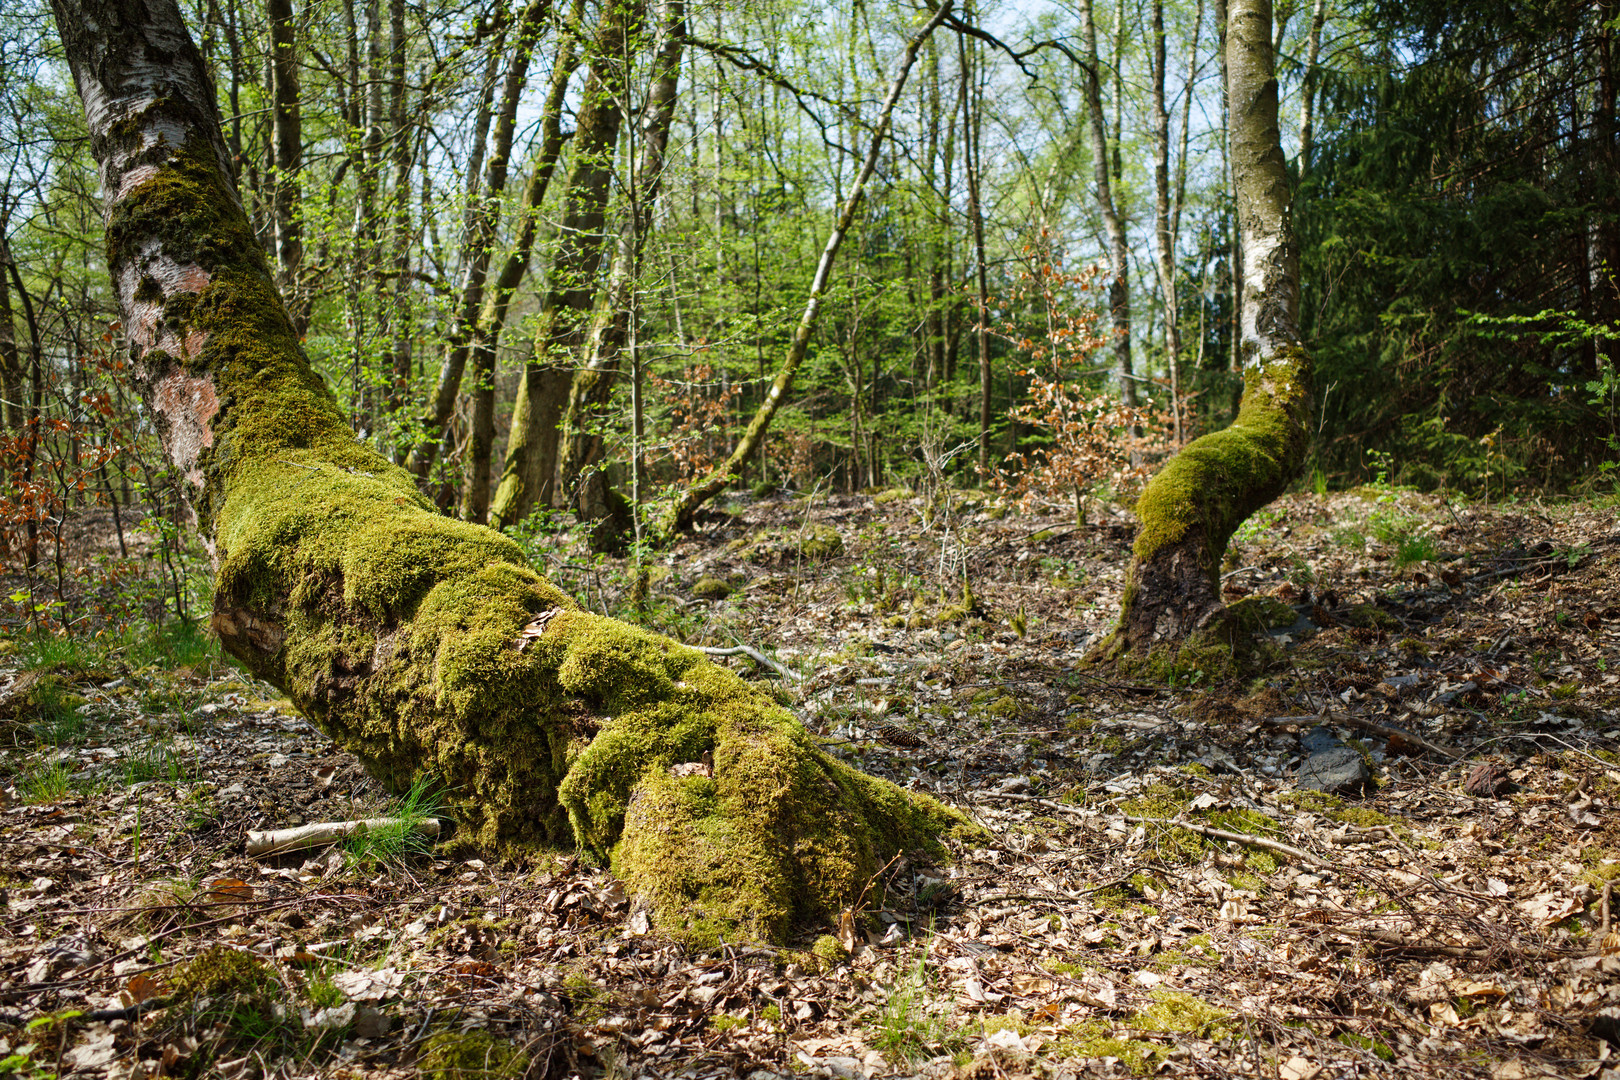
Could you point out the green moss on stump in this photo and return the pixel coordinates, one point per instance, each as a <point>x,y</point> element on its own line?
<point>711,588</point>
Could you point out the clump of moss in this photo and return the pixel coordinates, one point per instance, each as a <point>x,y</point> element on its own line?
<point>1176,1013</point>
<point>221,970</point>
<point>711,588</point>
<point>1098,1039</point>
<point>471,1055</point>
<point>821,542</point>
<point>892,495</point>
<point>827,953</point>
<point>1006,707</point>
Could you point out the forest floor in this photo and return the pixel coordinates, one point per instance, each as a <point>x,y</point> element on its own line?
<point>1454,917</point>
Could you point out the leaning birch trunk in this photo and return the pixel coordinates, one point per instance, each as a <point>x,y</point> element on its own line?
<point>683,508</point>
<point>429,646</point>
<point>1171,615</point>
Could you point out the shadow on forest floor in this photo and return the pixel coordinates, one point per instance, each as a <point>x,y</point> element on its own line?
<point>1436,914</point>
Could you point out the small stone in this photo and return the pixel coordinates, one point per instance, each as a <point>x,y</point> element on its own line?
<point>1319,740</point>
<point>1337,772</point>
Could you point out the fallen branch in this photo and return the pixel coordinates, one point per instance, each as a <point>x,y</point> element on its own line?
<point>1391,733</point>
<point>753,654</point>
<point>1236,837</point>
<point>321,833</point>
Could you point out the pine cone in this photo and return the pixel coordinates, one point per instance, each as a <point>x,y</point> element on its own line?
<point>1488,781</point>
<point>895,735</point>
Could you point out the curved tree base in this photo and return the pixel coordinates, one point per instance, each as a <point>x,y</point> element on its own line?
<point>425,645</point>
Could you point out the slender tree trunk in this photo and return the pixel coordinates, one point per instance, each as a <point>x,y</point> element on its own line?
<point>474,264</point>
<point>1307,106</point>
<point>479,252</point>
<point>1119,253</point>
<point>400,239</point>
<point>286,200</point>
<point>972,144</point>
<point>1191,508</point>
<point>428,646</point>
<point>1164,248</point>
<point>12,371</point>
<point>531,448</point>
<point>592,384</point>
<point>681,510</point>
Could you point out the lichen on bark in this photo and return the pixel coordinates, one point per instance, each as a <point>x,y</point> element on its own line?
<point>423,644</point>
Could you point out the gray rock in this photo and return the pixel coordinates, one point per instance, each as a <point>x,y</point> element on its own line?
<point>1319,739</point>
<point>1338,771</point>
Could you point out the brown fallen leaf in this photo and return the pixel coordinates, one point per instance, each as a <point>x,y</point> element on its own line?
<point>228,890</point>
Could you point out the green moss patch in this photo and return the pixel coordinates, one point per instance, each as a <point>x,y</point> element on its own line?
<point>471,1055</point>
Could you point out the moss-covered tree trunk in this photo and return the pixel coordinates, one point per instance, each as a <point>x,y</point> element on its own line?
<point>426,645</point>
<point>1191,508</point>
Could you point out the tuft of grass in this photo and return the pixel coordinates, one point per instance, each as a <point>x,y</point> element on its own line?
<point>396,844</point>
<point>42,782</point>
<point>912,1025</point>
<point>155,760</point>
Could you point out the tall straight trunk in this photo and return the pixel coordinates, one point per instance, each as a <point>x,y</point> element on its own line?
<point>479,252</point>
<point>1167,202</point>
<point>1307,105</point>
<point>1191,508</point>
<point>684,507</point>
<point>1234,248</point>
<point>592,383</point>
<point>972,150</point>
<point>427,646</point>
<point>531,448</point>
<point>286,198</point>
<point>400,239</point>
<point>12,411</point>
<point>491,321</point>
<point>478,232</point>
<point>1119,253</point>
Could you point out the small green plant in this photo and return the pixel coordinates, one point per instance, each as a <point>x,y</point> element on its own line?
<point>912,1024</point>
<point>45,782</point>
<point>44,1034</point>
<point>1259,524</point>
<point>396,843</point>
<point>154,760</point>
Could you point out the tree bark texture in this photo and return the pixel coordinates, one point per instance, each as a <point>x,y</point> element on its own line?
<point>286,198</point>
<point>592,384</point>
<point>1191,508</point>
<point>423,644</point>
